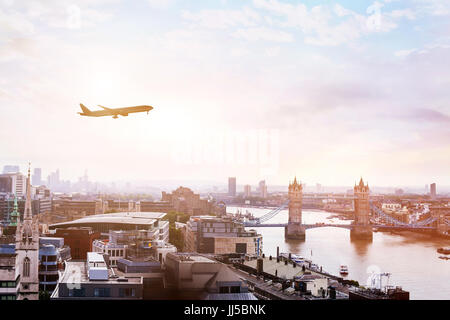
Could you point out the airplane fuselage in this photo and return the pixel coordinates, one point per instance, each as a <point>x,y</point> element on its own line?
<point>114,112</point>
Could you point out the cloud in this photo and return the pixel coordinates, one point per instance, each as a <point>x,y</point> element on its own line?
<point>160,3</point>
<point>26,16</point>
<point>320,25</point>
<point>327,25</point>
<point>239,52</point>
<point>272,51</point>
<point>223,19</point>
<point>407,13</point>
<point>404,53</point>
<point>428,115</point>
<point>433,7</point>
<point>16,48</point>
<point>263,34</point>
<point>13,23</point>
<point>245,23</point>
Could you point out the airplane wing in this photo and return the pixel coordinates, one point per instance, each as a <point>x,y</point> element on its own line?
<point>105,108</point>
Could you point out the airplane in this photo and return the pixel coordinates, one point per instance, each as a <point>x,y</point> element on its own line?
<point>113,112</point>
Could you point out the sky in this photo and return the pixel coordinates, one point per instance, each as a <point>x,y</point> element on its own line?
<point>328,91</point>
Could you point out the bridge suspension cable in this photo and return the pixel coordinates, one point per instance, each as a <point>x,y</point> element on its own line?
<point>272,213</point>
<point>389,219</point>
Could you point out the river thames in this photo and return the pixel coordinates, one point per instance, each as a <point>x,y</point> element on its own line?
<point>410,258</point>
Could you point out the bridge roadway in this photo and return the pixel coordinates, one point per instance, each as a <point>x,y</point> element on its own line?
<point>345,226</point>
<point>330,197</point>
<point>392,223</point>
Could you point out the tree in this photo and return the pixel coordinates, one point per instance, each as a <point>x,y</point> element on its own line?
<point>176,235</point>
<point>44,295</point>
<point>176,238</point>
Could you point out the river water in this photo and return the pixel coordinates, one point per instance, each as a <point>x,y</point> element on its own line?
<point>410,258</point>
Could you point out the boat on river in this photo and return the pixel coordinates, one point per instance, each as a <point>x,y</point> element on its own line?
<point>445,250</point>
<point>343,270</point>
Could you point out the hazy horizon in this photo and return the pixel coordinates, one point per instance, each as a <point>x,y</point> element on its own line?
<point>201,185</point>
<point>327,91</point>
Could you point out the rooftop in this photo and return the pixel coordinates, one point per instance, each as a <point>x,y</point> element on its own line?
<point>192,257</point>
<point>273,267</point>
<point>95,257</point>
<point>77,271</point>
<point>309,277</point>
<point>231,296</point>
<point>141,218</point>
<point>140,263</point>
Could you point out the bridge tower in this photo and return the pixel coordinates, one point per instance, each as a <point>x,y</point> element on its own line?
<point>295,229</point>
<point>442,216</point>
<point>362,228</point>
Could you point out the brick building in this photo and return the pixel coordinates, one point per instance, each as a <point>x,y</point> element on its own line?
<point>79,240</point>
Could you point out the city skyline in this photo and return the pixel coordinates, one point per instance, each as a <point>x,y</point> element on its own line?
<point>170,152</point>
<point>85,184</point>
<point>339,90</point>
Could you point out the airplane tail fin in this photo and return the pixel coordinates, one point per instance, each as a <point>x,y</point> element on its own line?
<point>85,110</point>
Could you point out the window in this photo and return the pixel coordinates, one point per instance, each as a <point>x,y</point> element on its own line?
<point>101,292</point>
<point>26,267</point>
<point>53,267</point>
<point>241,248</point>
<point>235,289</point>
<point>76,292</point>
<point>126,292</point>
<point>51,258</point>
<point>7,284</point>
<point>224,290</point>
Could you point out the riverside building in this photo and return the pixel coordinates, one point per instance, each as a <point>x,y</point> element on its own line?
<point>209,234</point>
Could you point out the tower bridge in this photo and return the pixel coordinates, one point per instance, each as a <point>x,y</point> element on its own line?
<point>364,221</point>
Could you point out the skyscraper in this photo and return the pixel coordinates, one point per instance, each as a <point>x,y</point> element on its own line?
<point>53,180</point>
<point>232,186</point>
<point>318,188</point>
<point>262,189</point>
<point>247,191</point>
<point>37,177</point>
<point>14,183</point>
<point>433,190</point>
<point>11,169</point>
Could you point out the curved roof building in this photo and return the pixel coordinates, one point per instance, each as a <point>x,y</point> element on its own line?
<point>117,221</point>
